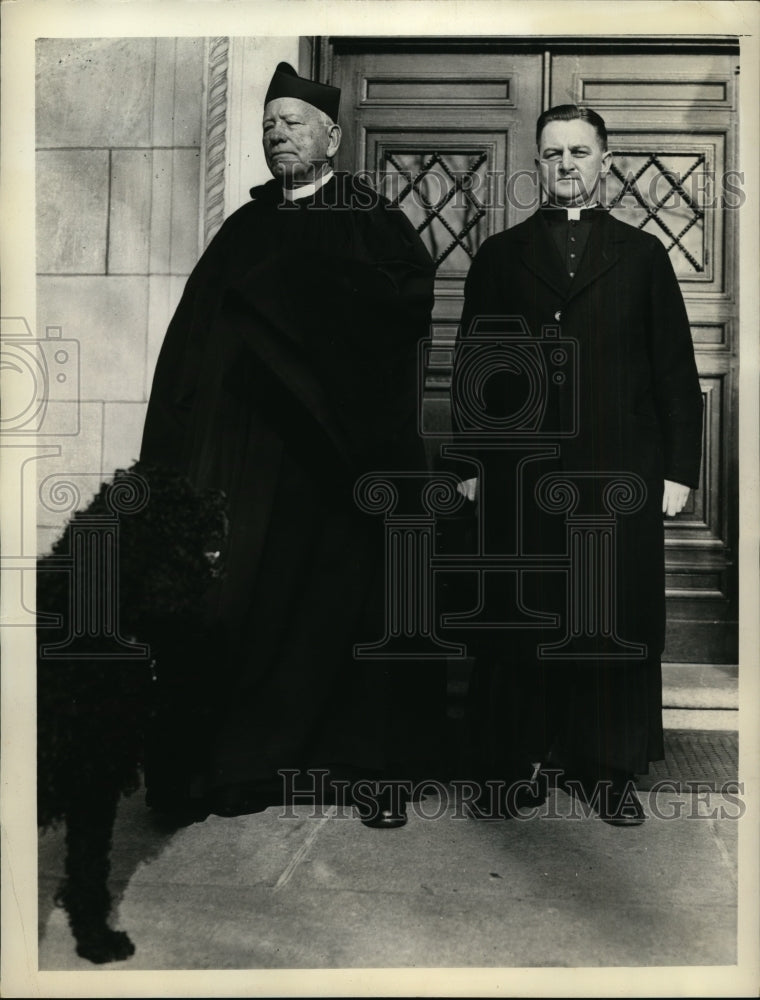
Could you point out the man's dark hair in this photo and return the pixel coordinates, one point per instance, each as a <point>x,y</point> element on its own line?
<point>569,113</point>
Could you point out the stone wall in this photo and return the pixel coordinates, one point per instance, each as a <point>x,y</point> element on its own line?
<point>120,134</point>
<point>118,139</point>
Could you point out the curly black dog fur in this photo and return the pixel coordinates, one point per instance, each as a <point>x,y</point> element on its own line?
<point>94,703</point>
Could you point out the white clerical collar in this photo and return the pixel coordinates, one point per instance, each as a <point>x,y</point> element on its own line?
<point>295,194</point>
<point>574,212</point>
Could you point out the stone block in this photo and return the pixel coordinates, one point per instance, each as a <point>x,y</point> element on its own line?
<point>95,91</point>
<point>46,537</point>
<point>164,293</point>
<point>191,53</point>
<point>72,211</point>
<point>68,481</point>
<point>129,224</point>
<point>184,215</point>
<point>161,212</point>
<point>178,91</point>
<point>108,316</point>
<point>122,434</point>
<point>174,212</point>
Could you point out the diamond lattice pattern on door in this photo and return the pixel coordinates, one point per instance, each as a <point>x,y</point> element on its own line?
<point>443,194</point>
<point>663,193</point>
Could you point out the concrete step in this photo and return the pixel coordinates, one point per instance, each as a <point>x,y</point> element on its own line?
<point>694,695</point>
<point>701,718</point>
<point>700,685</point>
<point>700,696</point>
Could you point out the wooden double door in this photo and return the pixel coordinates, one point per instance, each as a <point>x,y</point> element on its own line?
<point>447,129</point>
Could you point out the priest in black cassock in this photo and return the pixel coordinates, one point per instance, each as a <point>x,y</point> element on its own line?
<point>628,410</point>
<point>289,370</point>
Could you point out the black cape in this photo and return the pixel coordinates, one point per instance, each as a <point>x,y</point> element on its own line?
<point>288,370</point>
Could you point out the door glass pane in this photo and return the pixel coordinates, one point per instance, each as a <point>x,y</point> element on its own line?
<point>442,192</point>
<point>663,194</point>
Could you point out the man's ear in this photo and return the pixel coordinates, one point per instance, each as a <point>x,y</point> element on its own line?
<point>606,164</point>
<point>333,141</point>
<point>539,176</point>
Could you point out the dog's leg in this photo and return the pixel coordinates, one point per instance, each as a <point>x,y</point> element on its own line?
<point>84,895</point>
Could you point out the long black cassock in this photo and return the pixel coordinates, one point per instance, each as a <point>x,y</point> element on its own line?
<point>289,370</point>
<point>634,392</point>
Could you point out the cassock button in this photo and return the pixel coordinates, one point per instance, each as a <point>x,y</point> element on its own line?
<point>558,315</point>
<point>572,274</point>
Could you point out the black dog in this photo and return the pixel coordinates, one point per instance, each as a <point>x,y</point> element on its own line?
<point>122,589</point>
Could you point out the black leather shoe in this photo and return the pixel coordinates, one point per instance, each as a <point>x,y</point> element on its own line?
<point>381,806</point>
<point>622,806</point>
<point>614,800</point>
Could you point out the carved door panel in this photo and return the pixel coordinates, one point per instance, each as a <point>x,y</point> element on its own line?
<point>441,131</point>
<point>447,129</point>
<point>671,122</point>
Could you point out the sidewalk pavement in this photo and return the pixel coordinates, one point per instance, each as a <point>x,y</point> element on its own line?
<point>265,892</point>
<point>324,892</point>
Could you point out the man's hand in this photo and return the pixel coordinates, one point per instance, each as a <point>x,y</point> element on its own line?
<point>469,488</point>
<point>674,497</point>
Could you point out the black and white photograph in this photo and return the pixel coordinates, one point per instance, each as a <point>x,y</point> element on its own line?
<point>380,498</point>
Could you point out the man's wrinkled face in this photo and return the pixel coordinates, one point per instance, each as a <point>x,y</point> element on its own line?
<point>297,141</point>
<point>571,162</point>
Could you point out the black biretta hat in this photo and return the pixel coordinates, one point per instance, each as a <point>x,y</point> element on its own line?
<point>287,83</point>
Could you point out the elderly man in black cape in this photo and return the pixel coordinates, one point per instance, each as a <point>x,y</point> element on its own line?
<point>618,432</point>
<point>288,371</point>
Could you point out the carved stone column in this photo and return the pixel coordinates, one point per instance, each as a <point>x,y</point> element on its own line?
<point>214,137</point>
